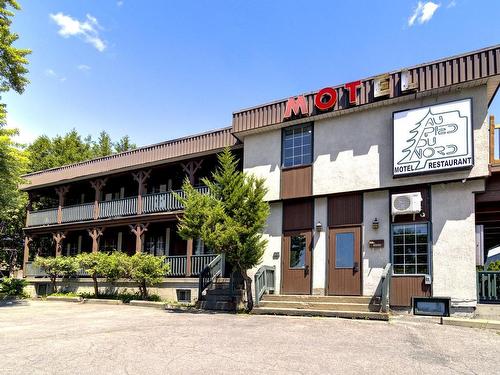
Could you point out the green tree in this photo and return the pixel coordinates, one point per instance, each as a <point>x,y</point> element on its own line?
<point>231,219</point>
<point>124,144</point>
<point>56,267</point>
<point>103,146</point>
<point>13,61</point>
<point>147,270</point>
<point>96,265</point>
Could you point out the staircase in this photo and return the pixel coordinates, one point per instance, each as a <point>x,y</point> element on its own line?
<point>354,307</point>
<point>219,296</point>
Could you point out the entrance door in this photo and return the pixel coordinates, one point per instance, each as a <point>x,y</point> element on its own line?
<point>344,274</point>
<point>296,263</point>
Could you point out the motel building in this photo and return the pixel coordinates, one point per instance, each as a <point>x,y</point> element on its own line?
<point>383,192</point>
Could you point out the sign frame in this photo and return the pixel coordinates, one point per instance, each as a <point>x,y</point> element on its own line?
<point>442,170</point>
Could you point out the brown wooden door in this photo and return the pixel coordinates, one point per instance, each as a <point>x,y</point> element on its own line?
<point>344,265</point>
<point>296,263</point>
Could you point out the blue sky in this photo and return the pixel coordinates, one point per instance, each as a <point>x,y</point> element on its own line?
<point>158,70</point>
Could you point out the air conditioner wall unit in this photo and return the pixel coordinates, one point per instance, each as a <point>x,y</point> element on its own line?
<point>406,204</point>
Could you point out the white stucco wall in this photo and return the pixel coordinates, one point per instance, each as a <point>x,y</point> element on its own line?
<point>262,158</point>
<point>354,152</point>
<point>273,235</point>
<point>375,205</point>
<point>453,238</point>
<point>320,247</point>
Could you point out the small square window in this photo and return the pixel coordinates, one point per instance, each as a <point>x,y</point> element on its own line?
<point>183,295</point>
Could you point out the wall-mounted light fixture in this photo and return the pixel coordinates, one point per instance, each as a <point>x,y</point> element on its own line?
<point>375,223</point>
<point>319,226</point>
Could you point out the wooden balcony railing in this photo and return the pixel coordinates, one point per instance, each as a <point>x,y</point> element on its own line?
<point>178,266</point>
<point>151,203</point>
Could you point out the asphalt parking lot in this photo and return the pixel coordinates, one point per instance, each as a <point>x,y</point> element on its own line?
<point>68,338</point>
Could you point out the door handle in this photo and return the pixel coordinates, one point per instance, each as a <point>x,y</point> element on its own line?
<point>306,270</point>
<point>356,267</point>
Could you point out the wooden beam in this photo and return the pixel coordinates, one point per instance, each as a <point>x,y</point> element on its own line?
<point>138,229</point>
<point>61,192</point>
<point>97,184</point>
<point>189,253</point>
<point>95,233</point>
<point>190,168</point>
<point>492,139</point>
<point>58,238</point>
<point>26,254</point>
<point>141,178</point>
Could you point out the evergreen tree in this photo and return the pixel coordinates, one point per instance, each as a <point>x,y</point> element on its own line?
<point>103,146</point>
<point>124,144</point>
<point>231,219</point>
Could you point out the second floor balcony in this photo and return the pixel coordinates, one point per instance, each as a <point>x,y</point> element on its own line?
<point>131,206</point>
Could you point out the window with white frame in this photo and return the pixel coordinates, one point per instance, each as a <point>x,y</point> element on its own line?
<point>410,249</point>
<point>297,145</point>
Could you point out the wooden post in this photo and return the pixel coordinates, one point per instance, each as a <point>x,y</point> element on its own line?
<point>97,185</point>
<point>191,168</point>
<point>58,238</point>
<point>492,139</point>
<point>141,178</point>
<point>29,207</point>
<point>189,253</point>
<point>138,229</point>
<point>61,193</point>
<point>26,254</point>
<point>95,233</point>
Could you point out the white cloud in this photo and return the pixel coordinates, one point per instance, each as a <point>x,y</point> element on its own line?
<point>88,30</point>
<point>52,74</point>
<point>119,3</point>
<point>423,12</point>
<point>83,67</point>
<point>452,4</point>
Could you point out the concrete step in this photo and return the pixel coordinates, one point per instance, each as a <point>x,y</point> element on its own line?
<point>488,311</point>
<point>335,306</point>
<point>333,299</point>
<point>323,313</point>
<point>218,297</point>
<point>218,305</point>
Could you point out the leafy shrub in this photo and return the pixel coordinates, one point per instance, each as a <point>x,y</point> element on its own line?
<point>125,297</point>
<point>494,266</point>
<point>147,270</point>
<point>12,287</point>
<point>95,265</point>
<point>64,294</point>
<point>56,267</point>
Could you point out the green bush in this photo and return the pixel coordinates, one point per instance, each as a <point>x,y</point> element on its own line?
<point>494,266</point>
<point>11,287</point>
<point>56,267</point>
<point>125,297</point>
<point>147,270</point>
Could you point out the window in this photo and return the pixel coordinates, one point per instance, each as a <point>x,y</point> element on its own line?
<point>410,248</point>
<point>297,145</point>
<point>297,252</point>
<point>344,250</point>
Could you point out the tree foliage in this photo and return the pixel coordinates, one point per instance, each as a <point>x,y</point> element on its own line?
<point>231,219</point>
<point>147,270</point>
<point>46,152</point>
<point>57,267</point>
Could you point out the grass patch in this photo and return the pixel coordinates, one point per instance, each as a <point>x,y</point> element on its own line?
<point>64,294</point>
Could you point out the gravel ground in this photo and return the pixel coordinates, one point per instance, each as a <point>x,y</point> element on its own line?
<point>70,338</point>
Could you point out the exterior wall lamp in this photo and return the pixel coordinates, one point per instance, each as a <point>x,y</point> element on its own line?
<point>319,226</point>
<point>375,224</point>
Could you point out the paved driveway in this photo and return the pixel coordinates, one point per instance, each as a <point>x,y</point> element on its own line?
<point>66,338</point>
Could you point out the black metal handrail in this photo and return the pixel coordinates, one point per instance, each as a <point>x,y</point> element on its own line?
<point>211,272</point>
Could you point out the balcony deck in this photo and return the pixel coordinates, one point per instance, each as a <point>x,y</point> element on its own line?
<point>151,203</point>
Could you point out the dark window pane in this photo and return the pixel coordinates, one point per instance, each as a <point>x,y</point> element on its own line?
<point>344,250</point>
<point>298,252</point>
<point>422,238</point>
<point>422,259</point>
<point>410,259</point>
<point>398,240</point>
<point>409,239</point>
<point>410,269</point>
<point>288,143</point>
<point>422,249</point>
<point>422,268</point>
<point>399,259</point>
<point>398,249</point>
<point>398,269</point>
<point>410,249</point>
